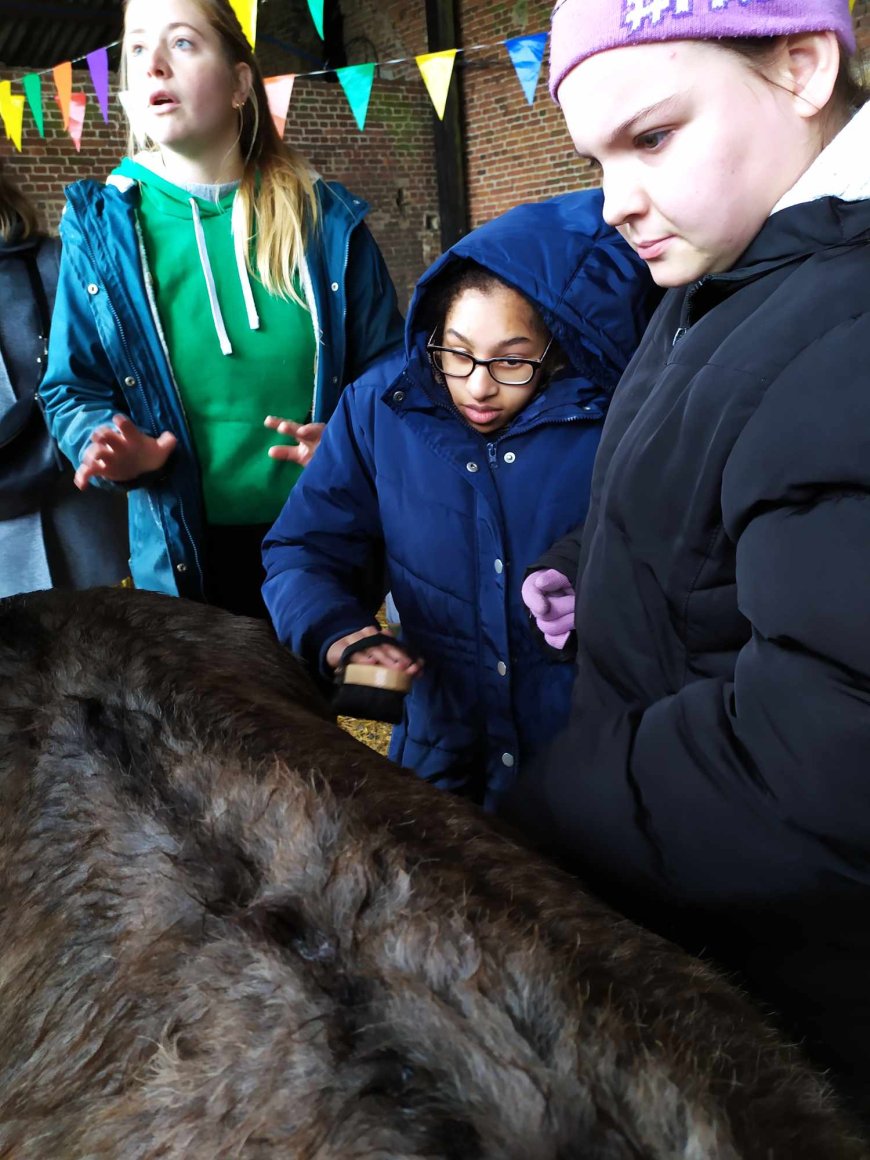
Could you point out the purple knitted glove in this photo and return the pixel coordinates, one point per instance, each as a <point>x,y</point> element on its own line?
<point>549,597</point>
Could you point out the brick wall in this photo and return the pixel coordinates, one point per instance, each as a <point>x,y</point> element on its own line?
<point>514,152</point>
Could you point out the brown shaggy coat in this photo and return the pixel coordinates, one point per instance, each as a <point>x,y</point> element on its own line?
<point>230,930</point>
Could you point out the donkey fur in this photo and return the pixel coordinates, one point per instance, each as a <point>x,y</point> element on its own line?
<point>230,930</point>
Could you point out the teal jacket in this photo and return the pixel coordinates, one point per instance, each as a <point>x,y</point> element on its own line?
<point>107,355</point>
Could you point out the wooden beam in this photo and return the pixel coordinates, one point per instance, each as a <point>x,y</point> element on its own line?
<point>441,27</point>
<point>62,13</point>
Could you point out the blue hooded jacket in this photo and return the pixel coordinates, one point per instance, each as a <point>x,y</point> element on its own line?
<point>107,355</point>
<point>458,515</point>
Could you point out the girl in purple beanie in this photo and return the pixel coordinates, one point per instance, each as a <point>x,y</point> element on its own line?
<point>714,779</point>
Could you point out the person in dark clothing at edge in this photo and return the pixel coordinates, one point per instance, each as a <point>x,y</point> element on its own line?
<point>51,534</point>
<point>459,461</point>
<point>713,778</point>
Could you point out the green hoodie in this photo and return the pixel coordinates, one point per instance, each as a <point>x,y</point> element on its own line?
<point>234,361</point>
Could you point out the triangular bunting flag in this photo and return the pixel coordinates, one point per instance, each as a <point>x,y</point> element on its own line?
<point>315,7</point>
<point>357,81</point>
<point>33,88</point>
<point>246,10</point>
<point>63,83</point>
<point>98,63</point>
<point>437,70</point>
<point>527,55</point>
<point>12,112</point>
<point>77,102</point>
<point>278,93</point>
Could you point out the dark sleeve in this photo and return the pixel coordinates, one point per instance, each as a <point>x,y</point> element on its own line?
<point>564,556</point>
<point>374,323</point>
<point>322,557</point>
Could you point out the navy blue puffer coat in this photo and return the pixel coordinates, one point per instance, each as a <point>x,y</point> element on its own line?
<point>457,515</point>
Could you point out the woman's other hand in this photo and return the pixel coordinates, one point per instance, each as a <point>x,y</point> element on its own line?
<point>122,452</point>
<point>307,436</point>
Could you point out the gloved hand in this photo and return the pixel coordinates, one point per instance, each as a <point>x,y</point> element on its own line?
<point>549,597</point>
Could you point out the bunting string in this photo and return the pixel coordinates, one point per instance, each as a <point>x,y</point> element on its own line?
<point>526,54</point>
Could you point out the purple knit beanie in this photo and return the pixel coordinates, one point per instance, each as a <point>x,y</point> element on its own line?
<point>581,28</point>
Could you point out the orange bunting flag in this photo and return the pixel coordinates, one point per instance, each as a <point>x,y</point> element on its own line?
<point>62,74</point>
<point>278,93</point>
<point>436,69</point>
<point>77,118</point>
<point>11,112</point>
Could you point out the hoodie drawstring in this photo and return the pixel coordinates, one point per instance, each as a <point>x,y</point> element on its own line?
<point>240,245</point>
<point>247,294</point>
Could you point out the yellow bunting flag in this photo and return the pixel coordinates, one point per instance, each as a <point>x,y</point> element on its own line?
<point>437,70</point>
<point>278,93</point>
<point>12,112</point>
<point>77,118</point>
<point>63,83</point>
<point>246,10</point>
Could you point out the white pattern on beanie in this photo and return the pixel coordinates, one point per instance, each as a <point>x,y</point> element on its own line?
<point>581,28</point>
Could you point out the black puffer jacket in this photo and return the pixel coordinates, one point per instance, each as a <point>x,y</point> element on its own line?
<point>715,778</point>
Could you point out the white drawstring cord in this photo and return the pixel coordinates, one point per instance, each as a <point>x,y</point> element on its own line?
<point>240,243</point>
<point>217,317</point>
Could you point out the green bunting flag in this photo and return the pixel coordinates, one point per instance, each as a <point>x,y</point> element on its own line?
<point>315,7</point>
<point>357,81</point>
<point>33,91</point>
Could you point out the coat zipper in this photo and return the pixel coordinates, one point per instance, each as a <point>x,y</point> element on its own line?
<point>155,318</point>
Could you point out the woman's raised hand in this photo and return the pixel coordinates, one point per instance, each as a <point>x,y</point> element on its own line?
<point>307,436</point>
<point>122,452</point>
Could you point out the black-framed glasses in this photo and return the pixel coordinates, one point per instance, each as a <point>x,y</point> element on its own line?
<point>506,370</point>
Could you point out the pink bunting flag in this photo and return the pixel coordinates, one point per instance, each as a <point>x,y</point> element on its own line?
<point>98,63</point>
<point>62,74</point>
<point>278,93</point>
<point>77,102</point>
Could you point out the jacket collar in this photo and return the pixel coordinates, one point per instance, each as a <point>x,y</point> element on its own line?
<point>840,170</point>
<point>566,397</point>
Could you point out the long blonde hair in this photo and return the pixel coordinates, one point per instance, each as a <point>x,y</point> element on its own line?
<point>277,194</point>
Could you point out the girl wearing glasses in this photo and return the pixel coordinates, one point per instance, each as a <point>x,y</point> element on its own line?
<point>456,464</point>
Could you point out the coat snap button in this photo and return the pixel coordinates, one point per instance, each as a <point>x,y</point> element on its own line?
<point>471,466</point>
<point>334,286</point>
<point>398,396</point>
<point>129,381</point>
<point>93,288</point>
<point>509,457</point>
<point>507,759</point>
<point>499,567</point>
<point>181,568</point>
<point>501,667</point>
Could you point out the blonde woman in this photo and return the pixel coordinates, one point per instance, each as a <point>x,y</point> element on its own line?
<point>211,283</point>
